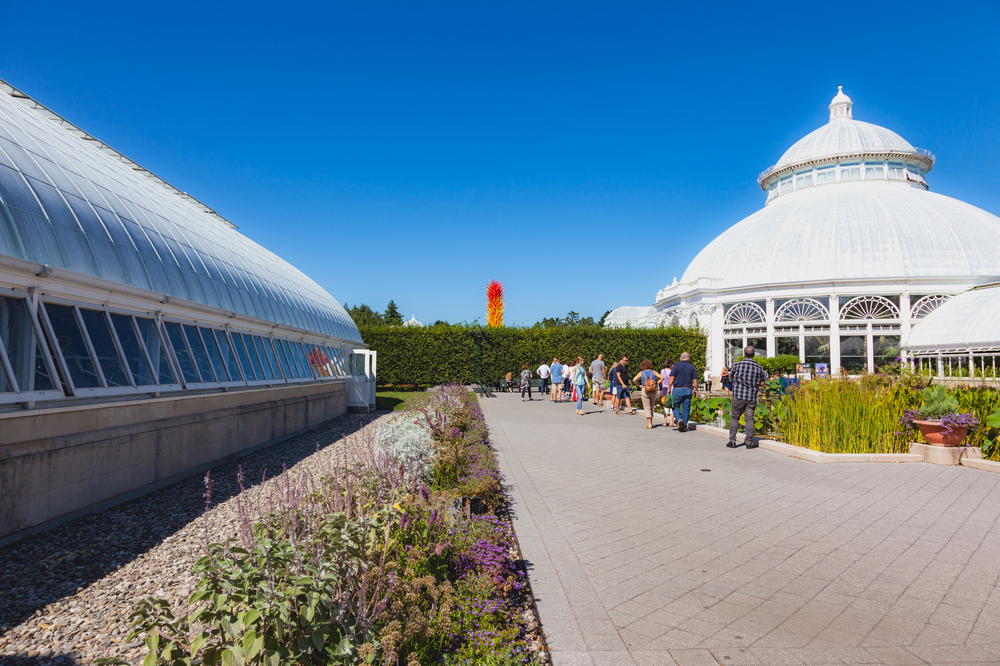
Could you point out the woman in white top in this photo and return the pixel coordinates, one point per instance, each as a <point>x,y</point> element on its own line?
<point>665,399</point>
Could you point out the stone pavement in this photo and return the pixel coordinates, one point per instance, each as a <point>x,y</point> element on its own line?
<point>657,547</point>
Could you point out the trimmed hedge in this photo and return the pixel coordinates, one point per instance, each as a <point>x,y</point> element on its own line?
<point>440,354</point>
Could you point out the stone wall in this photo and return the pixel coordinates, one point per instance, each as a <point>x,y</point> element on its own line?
<point>57,462</point>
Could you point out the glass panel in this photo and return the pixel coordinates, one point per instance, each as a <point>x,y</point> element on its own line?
<point>214,355</point>
<point>104,346</point>
<point>162,371</point>
<point>299,354</point>
<point>817,350</point>
<point>182,352</point>
<point>850,173</point>
<point>734,351</point>
<point>788,346</point>
<point>886,349</point>
<point>258,369</point>
<point>23,351</point>
<point>133,349</point>
<point>853,357</point>
<point>293,366</point>
<point>265,362</point>
<point>272,356</point>
<point>200,353</point>
<point>228,355</point>
<point>281,353</point>
<point>74,349</point>
<point>241,349</point>
<point>759,345</point>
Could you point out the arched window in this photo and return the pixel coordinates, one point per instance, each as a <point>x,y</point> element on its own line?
<point>869,307</point>
<point>693,320</point>
<point>802,309</point>
<point>745,313</point>
<point>675,321</point>
<point>927,305</point>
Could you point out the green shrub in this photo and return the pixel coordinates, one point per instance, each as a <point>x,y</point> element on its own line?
<point>937,402</point>
<point>437,355</point>
<point>781,364</point>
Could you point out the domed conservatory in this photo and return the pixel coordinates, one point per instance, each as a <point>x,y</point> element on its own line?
<point>849,252</point>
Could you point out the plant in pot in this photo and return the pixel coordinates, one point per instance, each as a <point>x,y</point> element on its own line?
<point>938,418</point>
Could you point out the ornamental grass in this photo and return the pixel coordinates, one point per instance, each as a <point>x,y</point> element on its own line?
<point>847,416</point>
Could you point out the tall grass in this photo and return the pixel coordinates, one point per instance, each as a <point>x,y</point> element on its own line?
<point>846,416</point>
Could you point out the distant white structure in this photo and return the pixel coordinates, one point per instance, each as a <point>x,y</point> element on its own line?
<point>849,251</point>
<point>413,321</point>
<point>961,338</point>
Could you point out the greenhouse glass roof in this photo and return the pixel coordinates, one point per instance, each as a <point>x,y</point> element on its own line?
<point>70,201</point>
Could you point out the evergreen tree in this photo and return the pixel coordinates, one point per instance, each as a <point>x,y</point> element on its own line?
<point>603,317</point>
<point>392,316</point>
<point>363,315</point>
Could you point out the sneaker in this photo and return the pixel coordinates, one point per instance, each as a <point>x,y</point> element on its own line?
<point>681,427</point>
<point>751,443</point>
<point>732,444</point>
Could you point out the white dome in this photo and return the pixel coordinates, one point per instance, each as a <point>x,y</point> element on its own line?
<point>843,136</point>
<point>968,321</point>
<point>853,230</point>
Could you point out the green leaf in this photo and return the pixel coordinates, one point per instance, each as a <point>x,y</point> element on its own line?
<point>197,644</point>
<point>152,641</point>
<point>233,656</point>
<point>150,659</point>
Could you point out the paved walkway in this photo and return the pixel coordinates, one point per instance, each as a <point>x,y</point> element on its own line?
<point>657,547</point>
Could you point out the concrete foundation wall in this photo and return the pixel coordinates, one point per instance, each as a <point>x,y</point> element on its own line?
<point>55,462</point>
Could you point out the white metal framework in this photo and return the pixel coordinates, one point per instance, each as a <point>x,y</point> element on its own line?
<point>869,307</point>
<point>927,305</point>
<point>741,314</point>
<point>802,309</point>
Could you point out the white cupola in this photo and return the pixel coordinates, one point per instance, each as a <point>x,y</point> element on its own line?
<point>840,105</point>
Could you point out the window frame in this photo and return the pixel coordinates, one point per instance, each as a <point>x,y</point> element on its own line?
<point>13,397</point>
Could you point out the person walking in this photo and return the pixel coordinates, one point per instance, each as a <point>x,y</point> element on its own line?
<point>597,379</point>
<point>665,396</point>
<point>683,387</point>
<point>556,369</point>
<point>525,382</point>
<point>610,395</point>
<point>580,383</point>
<point>620,386</point>
<point>747,377</point>
<point>544,373</point>
<point>649,383</point>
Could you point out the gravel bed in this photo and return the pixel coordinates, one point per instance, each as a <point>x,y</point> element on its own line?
<point>65,595</point>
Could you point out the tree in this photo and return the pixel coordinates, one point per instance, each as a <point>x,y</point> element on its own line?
<point>392,316</point>
<point>363,315</point>
<point>572,318</point>
<point>603,317</point>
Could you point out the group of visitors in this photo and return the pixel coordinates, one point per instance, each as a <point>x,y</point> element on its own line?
<point>673,387</point>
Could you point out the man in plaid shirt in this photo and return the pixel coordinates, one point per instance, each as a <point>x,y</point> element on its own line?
<point>747,376</point>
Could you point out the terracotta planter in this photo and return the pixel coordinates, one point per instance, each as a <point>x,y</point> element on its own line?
<point>933,432</point>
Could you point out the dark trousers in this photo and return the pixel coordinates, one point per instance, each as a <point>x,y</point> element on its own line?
<point>746,408</point>
<point>545,386</point>
<point>526,388</point>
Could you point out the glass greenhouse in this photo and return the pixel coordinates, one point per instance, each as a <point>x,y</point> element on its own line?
<point>113,282</point>
<point>849,253</point>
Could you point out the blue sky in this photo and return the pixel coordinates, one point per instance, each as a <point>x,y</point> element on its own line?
<point>416,151</point>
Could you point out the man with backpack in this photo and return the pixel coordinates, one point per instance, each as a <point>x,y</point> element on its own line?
<point>747,377</point>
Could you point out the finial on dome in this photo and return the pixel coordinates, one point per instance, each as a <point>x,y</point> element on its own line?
<point>840,105</point>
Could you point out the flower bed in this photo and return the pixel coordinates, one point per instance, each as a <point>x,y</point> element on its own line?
<point>401,555</point>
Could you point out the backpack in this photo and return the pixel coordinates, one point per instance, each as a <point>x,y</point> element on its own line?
<point>649,386</point>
